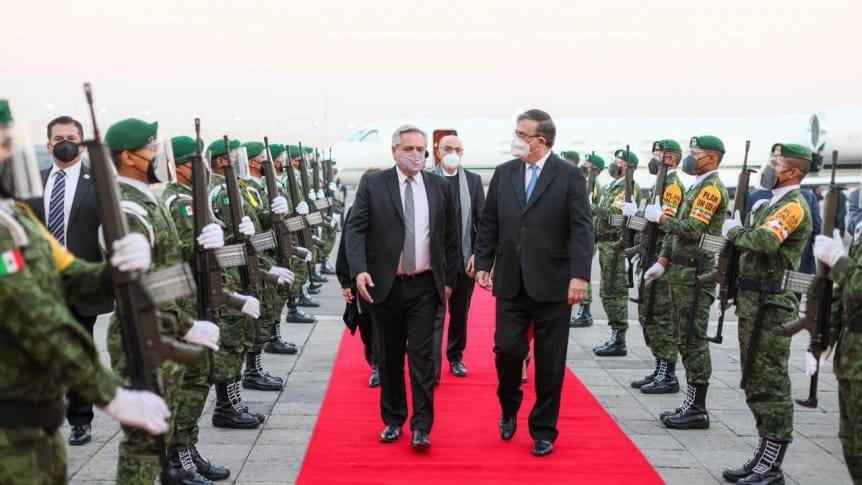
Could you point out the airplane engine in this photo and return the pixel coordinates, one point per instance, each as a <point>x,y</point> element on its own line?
<point>836,128</point>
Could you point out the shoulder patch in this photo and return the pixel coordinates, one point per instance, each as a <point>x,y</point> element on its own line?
<point>671,200</point>
<point>705,204</point>
<point>785,220</point>
<point>619,200</point>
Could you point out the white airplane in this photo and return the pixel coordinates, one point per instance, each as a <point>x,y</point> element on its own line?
<point>486,141</point>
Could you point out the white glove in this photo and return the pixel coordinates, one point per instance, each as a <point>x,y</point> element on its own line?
<point>141,409</point>
<point>829,249</point>
<point>203,333</point>
<point>320,194</point>
<point>332,187</point>
<point>729,224</point>
<point>653,211</point>
<point>312,194</point>
<point>251,307</point>
<point>246,226</point>
<point>654,272</point>
<point>211,237</point>
<point>630,208</point>
<point>279,205</point>
<point>811,364</point>
<point>132,253</point>
<point>308,253</point>
<point>302,208</point>
<point>285,276</point>
<point>333,223</point>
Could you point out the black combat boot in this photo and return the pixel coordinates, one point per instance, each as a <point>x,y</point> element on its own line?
<point>647,379</point>
<point>665,381</point>
<point>767,470</point>
<point>255,377</point>
<point>306,301</point>
<point>733,475</point>
<point>183,470</point>
<point>278,345</point>
<point>695,415</point>
<point>316,277</point>
<point>326,268</point>
<point>689,399</point>
<point>227,413</point>
<point>236,395</point>
<point>296,315</point>
<point>206,468</point>
<point>583,318</point>
<point>615,347</point>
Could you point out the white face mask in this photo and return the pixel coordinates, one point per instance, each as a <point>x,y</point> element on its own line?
<point>520,148</point>
<point>451,161</point>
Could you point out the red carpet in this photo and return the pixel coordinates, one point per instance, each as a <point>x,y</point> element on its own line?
<point>466,445</point>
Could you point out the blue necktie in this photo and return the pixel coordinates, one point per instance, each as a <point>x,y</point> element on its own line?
<point>532,184</point>
<point>56,216</point>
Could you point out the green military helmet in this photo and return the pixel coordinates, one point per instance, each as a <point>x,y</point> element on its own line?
<point>707,142</point>
<point>571,155</point>
<point>5,112</point>
<point>629,158</point>
<point>276,150</point>
<point>130,134</point>
<point>792,150</point>
<point>253,148</point>
<point>595,160</point>
<point>184,148</point>
<point>216,148</point>
<point>669,146</point>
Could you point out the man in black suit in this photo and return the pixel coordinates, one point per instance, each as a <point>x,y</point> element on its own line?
<point>69,210</point>
<point>536,231</point>
<point>468,197</point>
<point>402,249</point>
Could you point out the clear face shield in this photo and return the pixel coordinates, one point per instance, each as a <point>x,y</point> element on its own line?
<point>239,157</point>
<point>19,169</point>
<point>166,168</point>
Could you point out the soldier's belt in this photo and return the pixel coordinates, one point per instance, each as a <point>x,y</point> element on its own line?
<point>609,237</point>
<point>760,286</point>
<point>24,414</point>
<point>853,324</point>
<point>681,260</point>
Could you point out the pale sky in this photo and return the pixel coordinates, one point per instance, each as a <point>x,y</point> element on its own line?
<point>319,69</point>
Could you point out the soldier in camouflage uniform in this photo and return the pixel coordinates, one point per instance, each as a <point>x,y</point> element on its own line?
<point>133,148</point>
<point>571,156</point>
<point>596,164</point>
<point>661,333</point>
<point>846,316</point>
<point>303,298</point>
<point>615,297</point>
<point>43,350</point>
<point>702,211</point>
<point>770,242</point>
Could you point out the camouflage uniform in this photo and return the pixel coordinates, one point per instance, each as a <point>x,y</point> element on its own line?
<point>597,193</point>
<point>43,349</point>
<point>138,457</point>
<point>770,243</point>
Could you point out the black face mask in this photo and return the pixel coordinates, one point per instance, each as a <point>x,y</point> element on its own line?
<point>66,151</point>
<point>653,166</point>
<point>152,178</point>
<point>689,164</point>
<point>7,185</point>
<point>586,171</point>
<point>769,178</point>
<point>615,170</point>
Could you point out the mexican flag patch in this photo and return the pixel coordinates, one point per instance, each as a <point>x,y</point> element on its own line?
<point>188,210</point>
<point>11,262</point>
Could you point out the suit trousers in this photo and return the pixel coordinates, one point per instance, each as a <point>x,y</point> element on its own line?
<point>550,322</point>
<point>459,306</point>
<point>80,411</point>
<point>407,315</point>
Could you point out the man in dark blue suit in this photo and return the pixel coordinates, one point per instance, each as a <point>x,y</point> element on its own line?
<point>69,209</point>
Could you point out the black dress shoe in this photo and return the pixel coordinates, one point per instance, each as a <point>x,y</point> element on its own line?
<point>374,380</point>
<point>420,441</point>
<point>308,302</point>
<point>508,426</point>
<point>80,435</point>
<point>279,347</point>
<point>296,315</point>
<point>542,448</point>
<point>458,368</point>
<point>206,468</point>
<point>390,434</point>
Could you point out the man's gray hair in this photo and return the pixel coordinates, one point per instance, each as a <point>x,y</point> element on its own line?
<point>396,137</point>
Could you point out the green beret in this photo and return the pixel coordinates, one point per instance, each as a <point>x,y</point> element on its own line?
<point>631,160</point>
<point>792,150</point>
<point>707,142</point>
<point>596,160</point>
<point>276,149</point>
<point>666,145</point>
<point>307,150</point>
<point>292,151</point>
<point>253,148</point>
<point>130,134</point>
<point>571,155</point>
<point>5,112</point>
<point>184,148</point>
<point>216,148</point>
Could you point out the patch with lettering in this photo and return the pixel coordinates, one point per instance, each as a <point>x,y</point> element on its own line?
<point>671,200</point>
<point>706,204</point>
<point>785,220</point>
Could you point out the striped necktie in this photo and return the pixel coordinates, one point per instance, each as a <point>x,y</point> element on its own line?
<point>56,209</point>
<point>408,253</point>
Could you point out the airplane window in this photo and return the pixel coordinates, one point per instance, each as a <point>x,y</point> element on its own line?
<point>371,136</point>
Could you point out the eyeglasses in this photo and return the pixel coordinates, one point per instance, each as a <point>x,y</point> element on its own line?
<point>525,136</point>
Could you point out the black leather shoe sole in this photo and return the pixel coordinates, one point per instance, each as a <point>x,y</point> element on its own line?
<point>660,389</point>
<point>611,353</point>
<point>259,386</point>
<point>215,473</point>
<point>279,348</point>
<point>220,422</point>
<point>733,476</point>
<point>686,423</point>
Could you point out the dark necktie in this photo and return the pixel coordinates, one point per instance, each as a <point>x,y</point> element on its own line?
<point>56,216</point>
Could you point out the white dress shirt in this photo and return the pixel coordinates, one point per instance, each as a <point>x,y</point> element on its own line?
<point>528,174</point>
<point>421,219</point>
<point>72,175</point>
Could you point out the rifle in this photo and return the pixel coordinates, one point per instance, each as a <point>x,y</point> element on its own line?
<point>138,296</point>
<point>281,226</point>
<point>322,205</point>
<point>591,182</point>
<point>648,248</point>
<point>818,288</point>
<point>726,271</point>
<point>313,218</point>
<point>627,236</point>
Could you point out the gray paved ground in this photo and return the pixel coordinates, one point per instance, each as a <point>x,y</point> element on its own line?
<point>274,453</point>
